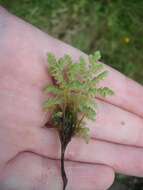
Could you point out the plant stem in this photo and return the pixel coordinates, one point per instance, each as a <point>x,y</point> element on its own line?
<point>63,173</point>
<point>65,134</point>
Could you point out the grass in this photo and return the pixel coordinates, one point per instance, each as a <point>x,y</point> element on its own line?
<point>112,26</point>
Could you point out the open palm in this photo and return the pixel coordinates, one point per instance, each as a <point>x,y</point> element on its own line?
<point>29,151</point>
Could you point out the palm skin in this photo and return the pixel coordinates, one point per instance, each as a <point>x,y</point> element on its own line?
<point>29,151</point>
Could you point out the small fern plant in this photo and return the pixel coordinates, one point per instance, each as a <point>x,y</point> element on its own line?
<point>72,97</point>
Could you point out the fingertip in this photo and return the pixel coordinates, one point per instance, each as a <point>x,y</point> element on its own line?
<point>89,176</point>
<point>108,177</point>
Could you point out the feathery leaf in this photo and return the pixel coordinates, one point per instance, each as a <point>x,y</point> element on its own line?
<point>52,102</point>
<point>104,91</point>
<point>84,133</point>
<point>53,89</point>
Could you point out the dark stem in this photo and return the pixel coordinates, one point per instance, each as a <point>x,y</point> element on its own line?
<point>63,173</point>
<point>65,134</point>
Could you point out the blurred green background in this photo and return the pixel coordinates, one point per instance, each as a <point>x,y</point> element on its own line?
<point>115,27</point>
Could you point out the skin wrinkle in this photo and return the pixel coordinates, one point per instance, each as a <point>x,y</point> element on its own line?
<point>109,130</point>
<point>18,147</point>
<point>71,157</point>
<point>138,139</point>
<point>103,157</point>
<point>125,92</point>
<point>50,158</point>
<point>41,178</point>
<point>126,134</point>
<point>12,160</point>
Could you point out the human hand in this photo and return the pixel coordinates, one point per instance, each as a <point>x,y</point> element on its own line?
<point>25,163</point>
<point>29,150</point>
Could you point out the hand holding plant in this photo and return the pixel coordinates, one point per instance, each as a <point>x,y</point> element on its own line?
<point>29,152</point>
<point>74,91</point>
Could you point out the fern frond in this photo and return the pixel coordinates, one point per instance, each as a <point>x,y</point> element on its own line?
<point>53,89</point>
<point>104,91</point>
<point>83,132</point>
<point>96,56</point>
<point>95,66</point>
<point>64,62</point>
<point>92,92</point>
<point>88,111</point>
<point>56,69</point>
<point>101,76</point>
<point>52,103</point>
<point>67,59</point>
<point>73,72</point>
<point>51,59</point>
<point>57,119</point>
<point>75,86</point>
<point>74,91</point>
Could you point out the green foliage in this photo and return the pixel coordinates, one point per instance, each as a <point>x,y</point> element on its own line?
<point>114,27</point>
<point>104,92</point>
<point>52,103</point>
<point>83,132</point>
<point>101,76</point>
<point>52,89</point>
<point>75,88</point>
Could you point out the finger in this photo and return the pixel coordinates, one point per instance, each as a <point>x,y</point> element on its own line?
<point>116,125</point>
<point>128,94</point>
<point>29,171</point>
<point>124,159</point>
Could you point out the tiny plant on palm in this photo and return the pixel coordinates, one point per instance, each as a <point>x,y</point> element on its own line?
<point>73,91</point>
